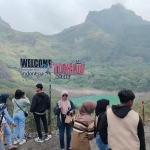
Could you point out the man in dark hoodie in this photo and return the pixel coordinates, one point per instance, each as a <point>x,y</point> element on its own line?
<point>40,103</point>
<point>121,127</point>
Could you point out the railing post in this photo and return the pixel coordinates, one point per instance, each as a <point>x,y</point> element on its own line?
<point>143,114</point>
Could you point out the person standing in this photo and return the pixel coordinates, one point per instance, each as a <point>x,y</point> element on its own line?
<point>2,125</point>
<point>20,101</point>
<point>64,107</point>
<point>121,127</point>
<point>101,107</point>
<point>40,103</point>
<point>3,99</point>
<point>83,128</point>
<point>1,141</point>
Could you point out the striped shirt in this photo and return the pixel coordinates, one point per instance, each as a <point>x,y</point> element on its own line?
<point>83,131</point>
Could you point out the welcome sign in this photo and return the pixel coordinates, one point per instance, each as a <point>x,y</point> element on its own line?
<point>35,66</point>
<point>61,70</point>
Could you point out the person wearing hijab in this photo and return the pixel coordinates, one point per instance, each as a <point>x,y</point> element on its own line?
<point>3,99</point>
<point>83,128</point>
<point>99,112</point>
<point>64,107</point>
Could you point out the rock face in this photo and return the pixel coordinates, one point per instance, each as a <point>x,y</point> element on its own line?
<point>4,24</point>
<point>116,16</point>
<point>4,72</point>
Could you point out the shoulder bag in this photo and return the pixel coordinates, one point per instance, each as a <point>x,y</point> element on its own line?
<point>25,112</point>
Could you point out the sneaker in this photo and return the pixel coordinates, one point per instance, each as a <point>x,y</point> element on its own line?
<point>12,147</point>
<point>47,137</point>
<point>22,142</point>
<point>16,142</point>
<point>39,140</point>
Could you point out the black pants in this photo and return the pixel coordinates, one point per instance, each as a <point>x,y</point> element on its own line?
<point>38,125</point>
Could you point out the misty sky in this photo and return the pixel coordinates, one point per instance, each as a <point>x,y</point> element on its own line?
<point>52,16</point>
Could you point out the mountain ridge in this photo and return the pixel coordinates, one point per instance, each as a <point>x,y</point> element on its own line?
<point>112,37</point>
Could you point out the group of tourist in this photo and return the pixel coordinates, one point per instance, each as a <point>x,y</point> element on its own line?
<point>40,103</point>
<point>114,128</point>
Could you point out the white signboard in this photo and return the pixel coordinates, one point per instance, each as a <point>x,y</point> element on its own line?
<point>36,67</point>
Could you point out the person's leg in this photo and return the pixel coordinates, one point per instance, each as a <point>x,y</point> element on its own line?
<point>38,126</point>
<point>15,117</point>
<point>44,120</point>
<point>98,142</point>
<point>1,145</point>
<point>68,134</point>
<point>21,125</point>
<point>61,135</point>
<point>102,145</point>
<point>7,131</point>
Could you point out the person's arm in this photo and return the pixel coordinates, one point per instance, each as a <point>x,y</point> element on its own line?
<point>91,131</point>
<point>102,128</point>
<point>2,127</point>
<point>57,110</point>
<point>1,137</point>
<point>7,116</point>
<point>48,102</point>
<point>73,108</point>
<point>33,104</point>
<point>141,134</point>
<point>27,101</point>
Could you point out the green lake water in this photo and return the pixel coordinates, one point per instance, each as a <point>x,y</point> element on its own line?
<point>112,98</point>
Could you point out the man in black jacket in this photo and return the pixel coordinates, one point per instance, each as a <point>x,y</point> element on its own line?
<point>121,127</point>
<point>40,103</point>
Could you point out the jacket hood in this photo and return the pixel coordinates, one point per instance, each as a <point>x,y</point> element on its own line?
<point>41,95</point>
<point>120,111</point>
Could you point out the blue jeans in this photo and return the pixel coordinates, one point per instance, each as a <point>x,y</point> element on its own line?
<point>1,145</point>
<point>7,131</point>
<point>19,119</point>
<point>100,144</point>
<point>61,135</point>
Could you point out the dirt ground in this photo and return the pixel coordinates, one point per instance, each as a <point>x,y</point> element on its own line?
<point>53,143</point>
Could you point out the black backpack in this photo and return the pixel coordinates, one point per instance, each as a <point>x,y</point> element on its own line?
<point>2,107</point>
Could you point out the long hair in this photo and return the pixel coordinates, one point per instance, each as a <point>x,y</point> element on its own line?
<point>19,94</point>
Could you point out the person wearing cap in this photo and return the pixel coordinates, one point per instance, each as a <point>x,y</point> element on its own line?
<point>20,103</point>
<point>40,103</point>
<point>64,107</point>
<point>3,99</point>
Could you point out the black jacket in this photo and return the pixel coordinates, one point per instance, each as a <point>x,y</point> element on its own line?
<point>121,112</point>
<point>40,103</point>
<point>57,111</point>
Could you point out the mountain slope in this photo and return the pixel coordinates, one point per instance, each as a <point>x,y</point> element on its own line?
<point>114,43</point>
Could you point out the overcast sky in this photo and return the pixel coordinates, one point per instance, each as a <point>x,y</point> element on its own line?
<point>52,16</point>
